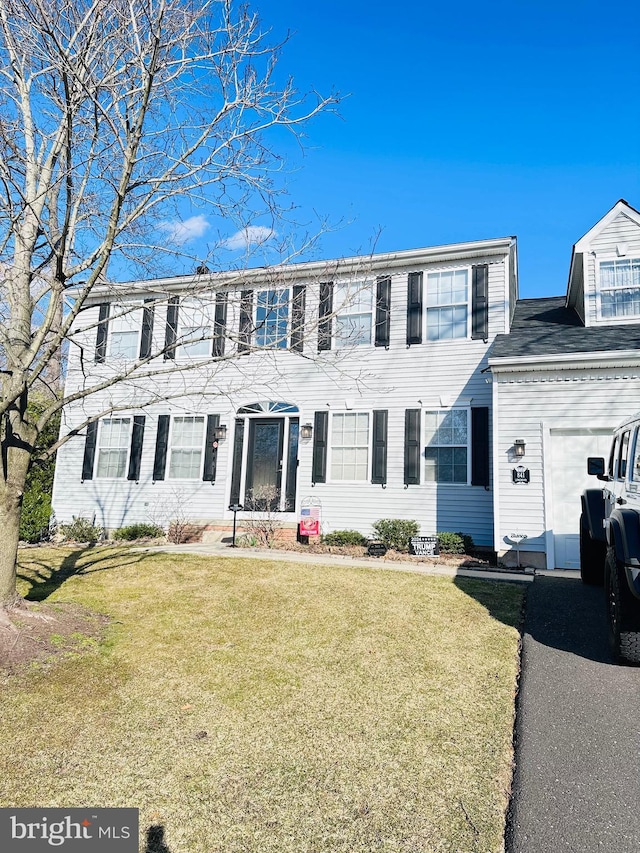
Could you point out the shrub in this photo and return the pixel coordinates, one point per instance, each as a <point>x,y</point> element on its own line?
<point>344,537</point>
<point>35,514</point>
<point>396,532</point>
<point>455,543</point>
<point>80,530</point>
<point>138,531</point>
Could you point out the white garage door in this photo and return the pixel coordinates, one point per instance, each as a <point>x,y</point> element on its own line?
<point>569,452</point>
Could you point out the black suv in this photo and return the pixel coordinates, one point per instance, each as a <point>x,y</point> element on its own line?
<point>610,537</point>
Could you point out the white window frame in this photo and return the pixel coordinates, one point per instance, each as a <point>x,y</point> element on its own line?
<point>351,308</point>
<point>195,318</point>
<point>427,308</point>
<point>129,316</point>
<point>99,449</point>
<point>440,410</point>
<point>331,448</point>
<point>281,341</point>
<point>171,448</point>
<point>609,259</point>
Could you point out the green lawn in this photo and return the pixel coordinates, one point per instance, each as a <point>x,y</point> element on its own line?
<point>262,706</point>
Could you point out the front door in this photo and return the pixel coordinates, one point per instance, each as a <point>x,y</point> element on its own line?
<point>264,464</point>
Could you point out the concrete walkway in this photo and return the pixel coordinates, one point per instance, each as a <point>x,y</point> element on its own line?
<point>577,778</point>
<point>218,549</point>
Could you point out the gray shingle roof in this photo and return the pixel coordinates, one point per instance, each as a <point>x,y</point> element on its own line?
<point>546,327</point>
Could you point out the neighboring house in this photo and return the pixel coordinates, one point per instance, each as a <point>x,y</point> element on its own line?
<point>566,374</point>
<point>356,389</point>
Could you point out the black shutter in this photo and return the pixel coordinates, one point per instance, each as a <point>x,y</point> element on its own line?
<point>219,324</point>
<point>238,443</point>
<point>137,437</point>
<point>101,333</point>
<point>297,318</point>
<point>412,447</point>
<point>246,321</point>
<point>89,451</point>
<point>480,446</point>
<point>379,456</point>
<point>324,317</point>
<point>383,311</point>
<point>211,449</point>
<point>320,439</point>
<point>171,332</point>
<point>414,308</point>
<point>162,440</point>
<point>147,328</point>
<point>480,301</point>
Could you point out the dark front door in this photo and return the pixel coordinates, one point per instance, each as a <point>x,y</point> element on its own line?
<point>264,464</point>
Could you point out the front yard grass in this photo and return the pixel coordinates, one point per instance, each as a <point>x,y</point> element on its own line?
<point>262,706</point>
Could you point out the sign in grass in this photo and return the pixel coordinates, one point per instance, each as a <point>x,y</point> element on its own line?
<point>424,546</point>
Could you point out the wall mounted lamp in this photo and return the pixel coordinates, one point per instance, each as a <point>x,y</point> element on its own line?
<point>519,447</point>
<point>220,432</point>
<point>306,431</point>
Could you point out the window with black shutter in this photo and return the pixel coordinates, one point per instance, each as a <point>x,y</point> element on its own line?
<point>324,316</point>
<point>162,440</point>
<point>89,451</point>
<point>219,325</point>
<point>211,449</point>
<point>102,333</point>
<point>480,446</point>
<point>383,311</point>
<point>379,454</point>
<point>480,302</point>
<point>147,328</point>
<point>414,308</point>
<point>245,328</point>
<point>297,318</point>
<point>171,331</point>
<point>135,456</point>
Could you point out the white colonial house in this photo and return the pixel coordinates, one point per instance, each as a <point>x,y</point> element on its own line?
<point>408,385</point>
<point>357,390</point>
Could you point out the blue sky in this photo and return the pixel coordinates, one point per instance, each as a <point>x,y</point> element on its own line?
<point>466,121</point>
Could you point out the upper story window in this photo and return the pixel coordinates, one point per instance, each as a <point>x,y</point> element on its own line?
<point>187,438</point>
<point>620,288</point>
<point>195,329</point>
<point>272,318</point>
<point>350,446</point>
<point>447,304</point>
<point>354,313</point>
<point>447,446</point>
<point>124,333</point>
<point>113,447</point>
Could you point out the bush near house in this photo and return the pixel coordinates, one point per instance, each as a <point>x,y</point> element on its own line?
<point>138,531</point>
<point>455,543</point>
<point>80,530</point>
<point>344,537</point>
<point>395,532</point>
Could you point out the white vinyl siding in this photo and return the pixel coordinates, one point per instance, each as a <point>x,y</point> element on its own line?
<point>447,451</point>
<point>124,333</point>
<point>114,436</point>
<point>350,446</point>
<point>353,304</point>
<point>447,304</point>
<point>185,460</point>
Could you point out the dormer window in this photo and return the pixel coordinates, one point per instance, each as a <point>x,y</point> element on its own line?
<point>620,288</point>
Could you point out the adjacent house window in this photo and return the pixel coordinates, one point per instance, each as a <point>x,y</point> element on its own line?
<point>124,333</point>
<point>272,318</point>
<point>195,328</point>
<point>113,447</point>
<point>620,288</point>
<point>447,305</point>
<point>187,436</point>
<point>447,446</point>
<point>353,304</point>
<point>350,446</point>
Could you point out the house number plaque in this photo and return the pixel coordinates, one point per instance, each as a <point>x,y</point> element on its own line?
<point>520,475</point>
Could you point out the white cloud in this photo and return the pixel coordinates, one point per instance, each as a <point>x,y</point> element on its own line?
<point>181,232</point>
<point>252,235</point>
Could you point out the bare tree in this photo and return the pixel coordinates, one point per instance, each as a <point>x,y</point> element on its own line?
<point>111,112</point>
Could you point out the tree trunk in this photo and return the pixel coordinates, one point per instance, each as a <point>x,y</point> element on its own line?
<point>10,503</point>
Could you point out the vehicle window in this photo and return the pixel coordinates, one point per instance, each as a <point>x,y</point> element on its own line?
<point>634,471</point>
<point>612,458</point>
<point>624,453</point>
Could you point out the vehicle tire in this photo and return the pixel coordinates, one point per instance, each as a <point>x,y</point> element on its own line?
<point>592,556</point>
<point>623,612</point>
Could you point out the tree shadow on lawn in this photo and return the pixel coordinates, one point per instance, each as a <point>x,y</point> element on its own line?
<point>45,580</point>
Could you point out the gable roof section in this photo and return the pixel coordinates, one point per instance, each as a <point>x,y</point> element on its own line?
<point>546,327</point>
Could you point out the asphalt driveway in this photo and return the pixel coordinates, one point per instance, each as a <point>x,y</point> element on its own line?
<point>577,777</point>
